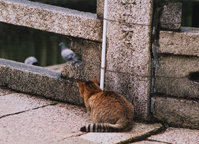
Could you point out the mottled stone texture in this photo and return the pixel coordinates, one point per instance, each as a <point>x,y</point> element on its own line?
<point>5,91</point>
<point>16,103</point>
<point>128,52</point>
<point>100,9</point>
<point>171,15</point>
<point>185,42</point>
<point>136,90</point>
<point>91,60</point>
<point>49,124</point>
<point>176,136</point>
<point>131,11</point>
<point>38,81</point>
<point>171,76</point>
<point>51,18</point>
<point>177,112</point>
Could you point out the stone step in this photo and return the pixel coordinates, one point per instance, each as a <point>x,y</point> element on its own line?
<point>185,42</point>
<point>176,112</point>
<point>38,81</point>
<point>172,76</point>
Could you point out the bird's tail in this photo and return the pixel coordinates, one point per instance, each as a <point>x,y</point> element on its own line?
<point>101,127</point>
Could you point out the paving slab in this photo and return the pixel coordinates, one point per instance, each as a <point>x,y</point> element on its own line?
<point>29,119</point>
<point>138,131</point>
<point>74,140</point>
<point>177,136</point>
<point>148,142</point>
<point>43,125</point>
<point>16,103</point>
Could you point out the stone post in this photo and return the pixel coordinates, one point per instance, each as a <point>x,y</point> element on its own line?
<point>128,65</point>
<point>100,8</point>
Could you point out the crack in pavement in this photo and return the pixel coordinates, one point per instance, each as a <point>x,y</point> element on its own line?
<point>27,110</point>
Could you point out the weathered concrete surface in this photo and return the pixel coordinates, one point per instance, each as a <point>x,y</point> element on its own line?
<point>177,112</point>
<point>128,48</point>
<point>15,103</point>
<point>100,9</point>
<point>136,11</point>
<point>139,131</point>
<point>171,16</point>
<point>41,121</point>
<point>128,52</point>
<point>177,136</point>
<point>171,76</point>
<point>185,42</point>
<point>44,125</point>
<point>134,88</point>
<point>5,91</point>
<point>74,140</point>
<point>51,18</point>
<point>55,67</point>
<point>38,81</point>
<point>148,142</point>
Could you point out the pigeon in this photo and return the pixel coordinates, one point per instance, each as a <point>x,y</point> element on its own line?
<point>68,54</point>
<point>31,61</point>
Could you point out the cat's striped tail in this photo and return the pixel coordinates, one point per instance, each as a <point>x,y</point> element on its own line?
<point>100,127</point>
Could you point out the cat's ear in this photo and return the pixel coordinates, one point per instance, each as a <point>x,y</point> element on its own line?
<point>95,79</point>
<point>80,84</point>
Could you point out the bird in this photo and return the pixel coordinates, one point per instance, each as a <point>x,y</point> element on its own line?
<point>31,61</point>
<point>67,54</point>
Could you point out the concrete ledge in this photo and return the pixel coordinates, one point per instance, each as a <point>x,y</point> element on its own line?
<point>185,42</point>
<point>177,112</point>
<point>51,18</point>
<point>38,81</point>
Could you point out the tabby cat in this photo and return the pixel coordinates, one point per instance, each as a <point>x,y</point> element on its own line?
<point>109,111</point>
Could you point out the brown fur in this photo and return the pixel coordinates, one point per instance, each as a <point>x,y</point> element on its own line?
<point>108,110</point>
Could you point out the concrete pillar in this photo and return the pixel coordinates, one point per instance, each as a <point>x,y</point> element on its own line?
<point>128,70</point>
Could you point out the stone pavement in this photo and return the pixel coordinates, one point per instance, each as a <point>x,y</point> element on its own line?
<point>28,119</point>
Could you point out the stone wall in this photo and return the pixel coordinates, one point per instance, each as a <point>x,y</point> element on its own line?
<point>175,55</point>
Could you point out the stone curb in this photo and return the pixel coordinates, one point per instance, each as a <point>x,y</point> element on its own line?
<point>38,81</point>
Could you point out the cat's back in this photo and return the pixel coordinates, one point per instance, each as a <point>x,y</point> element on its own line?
<point>109,106</point>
